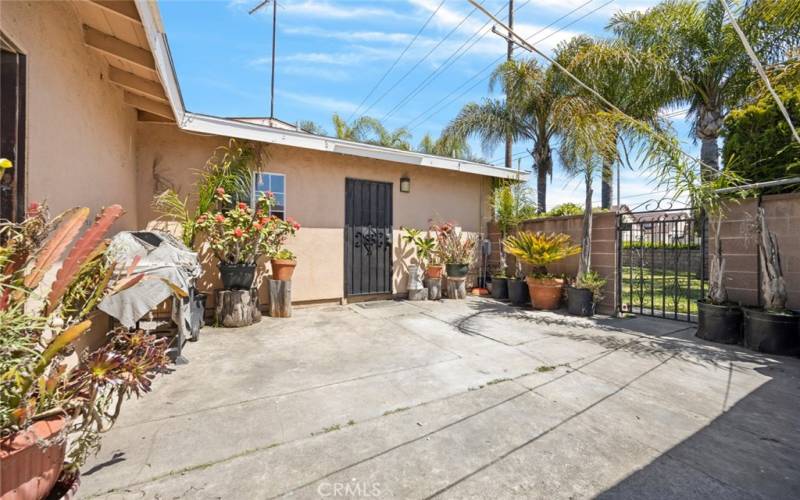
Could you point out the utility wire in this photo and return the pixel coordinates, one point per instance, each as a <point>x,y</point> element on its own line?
<point>436,108</point>
<point>529,47</point>
<point>421,60</point>
<point>375,87</point>
<point>455,56</point>
<point>759,68</point>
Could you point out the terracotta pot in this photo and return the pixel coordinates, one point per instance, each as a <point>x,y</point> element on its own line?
<point>434,271</point>
<point>545,292</point>
<point>28,470</point>
<point>282,269</point>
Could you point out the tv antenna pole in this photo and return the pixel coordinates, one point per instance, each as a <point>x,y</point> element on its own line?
<point>272,77</point>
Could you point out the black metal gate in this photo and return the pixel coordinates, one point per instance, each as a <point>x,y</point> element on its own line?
<point>661,262</point>
<point>368,237</point>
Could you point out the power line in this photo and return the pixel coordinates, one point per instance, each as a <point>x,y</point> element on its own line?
<point>531,48</point>
<point>760,69</point>
<point>421,60</point>
<point>436,108</point>
<point>455,56</point>
<point>375,87</point>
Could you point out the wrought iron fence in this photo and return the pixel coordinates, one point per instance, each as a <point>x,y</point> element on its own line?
<point>661,261</point>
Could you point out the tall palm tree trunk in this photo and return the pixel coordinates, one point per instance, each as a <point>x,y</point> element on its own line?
<point>543,161</point>
<point>606,189</point>
<point>709,124</point>
<point>585,262</point>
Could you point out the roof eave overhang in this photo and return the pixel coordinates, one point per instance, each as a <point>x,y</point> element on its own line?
<point>195,122</point>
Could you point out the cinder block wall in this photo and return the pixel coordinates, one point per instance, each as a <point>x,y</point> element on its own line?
<point>604,257</point>
<point>739,246</point>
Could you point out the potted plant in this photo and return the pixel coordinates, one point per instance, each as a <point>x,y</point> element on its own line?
<point>49,413</point>
<point>282,261</point>
<point>587,292</point>
<point>773,328</point>
<point>454,248</point>
<point>240,236</point>
<point>539,249</point>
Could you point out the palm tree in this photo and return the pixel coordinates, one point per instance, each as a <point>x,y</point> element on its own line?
<point>453,147</point>
<point>624,78</point>
<point>371,131</point>
<point>533,110</point>
<point>714,70</point>
<point>311,127</point>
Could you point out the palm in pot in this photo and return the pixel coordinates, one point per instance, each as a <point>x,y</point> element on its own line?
<point>539,250</point>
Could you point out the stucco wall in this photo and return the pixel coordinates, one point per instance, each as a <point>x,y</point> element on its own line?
<point>80,136</point>
<point>315,183</point>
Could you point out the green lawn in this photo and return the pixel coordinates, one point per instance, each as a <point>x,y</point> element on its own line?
<point>659,290</point>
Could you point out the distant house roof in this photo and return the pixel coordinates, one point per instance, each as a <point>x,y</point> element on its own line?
<point>278,132</point>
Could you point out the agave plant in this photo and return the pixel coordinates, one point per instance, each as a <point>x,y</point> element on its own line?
<point>540,249</point>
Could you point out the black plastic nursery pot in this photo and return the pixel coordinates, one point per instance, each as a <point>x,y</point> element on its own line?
<point>499,288</point>
<point>237,276</point>
<point>518,292</point>
<point>580,301</point>
<point>456,270</point>
<point>772,332</point>
<point>719,323</point>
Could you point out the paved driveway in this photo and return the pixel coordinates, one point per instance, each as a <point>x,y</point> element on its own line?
<point>458,399</point>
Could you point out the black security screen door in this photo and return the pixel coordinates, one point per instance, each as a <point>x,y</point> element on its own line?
<point>368,237</point>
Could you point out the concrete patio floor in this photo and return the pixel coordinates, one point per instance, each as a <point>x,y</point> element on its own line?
<point>458,399</point>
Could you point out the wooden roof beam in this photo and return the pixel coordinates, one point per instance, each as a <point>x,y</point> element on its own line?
<point>149,105</point>
<point>115,47</point>
<point>125,9</point>
<point>137,84</point>
<point>145,116</point>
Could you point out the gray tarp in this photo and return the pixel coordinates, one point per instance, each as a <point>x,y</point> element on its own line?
<point>170,261</point>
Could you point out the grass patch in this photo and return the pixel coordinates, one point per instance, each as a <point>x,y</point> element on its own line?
<point>660,290</point>
<point>497,381</point>
<point>545,368</point>
<point>396,410</point>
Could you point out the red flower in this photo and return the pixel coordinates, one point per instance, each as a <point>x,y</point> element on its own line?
<point>33,209</point>
<point>220,191</point>
<point>269,194</point>
<point>219,218</point>
<point>263,220</point>
<point>257,226</point>
<point>238,232</point>
<point>296,226</point>
<point>242,205</point>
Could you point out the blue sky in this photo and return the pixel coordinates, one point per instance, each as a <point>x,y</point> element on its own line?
<point>331,53</point>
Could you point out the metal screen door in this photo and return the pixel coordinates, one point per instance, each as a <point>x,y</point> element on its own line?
<point>368,237</point>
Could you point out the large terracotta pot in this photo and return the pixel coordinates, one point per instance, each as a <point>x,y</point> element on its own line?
<point>282,269</point>
<point>28,471</point>
<point>545,292</point>
<point>434,271</point>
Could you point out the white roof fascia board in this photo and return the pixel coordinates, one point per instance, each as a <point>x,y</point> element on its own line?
<point>195,122</point>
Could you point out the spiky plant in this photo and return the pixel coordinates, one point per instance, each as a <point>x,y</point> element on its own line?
<point>540,249</point>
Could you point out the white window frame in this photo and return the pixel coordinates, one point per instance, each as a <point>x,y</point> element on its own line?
<point>254,197</point>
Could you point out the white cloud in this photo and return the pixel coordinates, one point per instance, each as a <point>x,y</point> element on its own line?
<point>327,10</point>
<point>352,36</point>
<point>317,73</point>
<point>319,102</point>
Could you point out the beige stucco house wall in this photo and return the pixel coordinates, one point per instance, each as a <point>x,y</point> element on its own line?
<point>315,196</point>
<point>80,136</point>
<point>93,140</point>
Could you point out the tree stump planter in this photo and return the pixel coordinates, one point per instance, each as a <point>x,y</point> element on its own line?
<point>434,288</point>
<point>280,299</point>
<point>237,308</point>
<point>418,294</point>
<point>456,288</point>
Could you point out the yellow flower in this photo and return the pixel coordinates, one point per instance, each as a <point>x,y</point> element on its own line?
<point>5,163</point>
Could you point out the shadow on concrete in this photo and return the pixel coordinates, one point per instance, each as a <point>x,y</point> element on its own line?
<point>750,451</point>
<point>653,337</point>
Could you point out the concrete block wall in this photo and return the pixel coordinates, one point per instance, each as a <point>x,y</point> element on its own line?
<point>604,249</point>
<point>739,246</point>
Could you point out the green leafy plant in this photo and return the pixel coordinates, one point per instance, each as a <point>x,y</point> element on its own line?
<point>592,281</point>
<point>241,235</point>
<point>230,169</point>
<point>452,245</point>
<point>285,254</point>
<point>565,209</point>
<point>540,249</point>
<point>424,245</point>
